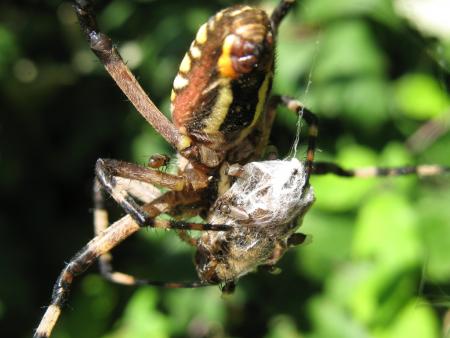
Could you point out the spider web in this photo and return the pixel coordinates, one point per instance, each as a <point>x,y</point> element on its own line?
<point>293,151</point>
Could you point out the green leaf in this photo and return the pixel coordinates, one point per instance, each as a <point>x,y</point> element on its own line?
<point>348,50</point>
<point>419,96</point>
<point>328,10</point>
<point>141,319</point>
<point>8,50</point>
<point>283,327</point>
<point>331,238</point>
<point>331,320</point>
<point>386,230</point>
<point>416,320</point>
<point>204,305</point>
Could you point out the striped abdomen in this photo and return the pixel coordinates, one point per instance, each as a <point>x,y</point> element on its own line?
<point>224,79</point>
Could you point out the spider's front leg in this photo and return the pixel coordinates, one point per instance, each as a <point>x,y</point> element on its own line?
<point>107,53</point>
<point>106,171</point>
<point>159,204</point>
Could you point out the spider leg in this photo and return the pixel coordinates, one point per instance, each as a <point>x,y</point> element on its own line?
<point>106,239</point>
<point>97,247</point>
<point>162,204</point>
<point>106,170</point>
<point>101,222</point>
<point>298,108</point>
<point>279,13</point>
<point>322,168</point>
<point>101,244</point>
<point>186,238</point>
<point>103,47</point>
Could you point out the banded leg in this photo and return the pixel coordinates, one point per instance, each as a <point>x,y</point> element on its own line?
<point>144,192</point>
<point>107,170</point>
<point>107,53</point>
<point>186,238</point>
<point>159,205</point>
<point>279,13</point>
<point>323,168</point>
<point>101,223</point>
<point>100,245</point>
<point>298,108</point>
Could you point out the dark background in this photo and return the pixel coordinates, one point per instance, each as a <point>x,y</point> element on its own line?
<point>379,262</point>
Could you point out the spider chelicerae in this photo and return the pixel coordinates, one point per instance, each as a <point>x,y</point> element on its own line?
<point>222,112</point>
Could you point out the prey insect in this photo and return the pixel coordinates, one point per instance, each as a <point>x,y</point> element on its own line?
<point>222,112</point>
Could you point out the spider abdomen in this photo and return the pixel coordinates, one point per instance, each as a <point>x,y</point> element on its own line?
<point>224,79</point>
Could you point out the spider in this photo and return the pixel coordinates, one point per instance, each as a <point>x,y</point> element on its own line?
<point>222,112</point>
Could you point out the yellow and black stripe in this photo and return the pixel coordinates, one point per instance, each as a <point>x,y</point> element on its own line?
<point>323,168</point>
<point>225,78</point>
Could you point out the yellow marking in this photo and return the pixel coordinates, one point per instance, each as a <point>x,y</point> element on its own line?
<point>366,172</point>
<point>255,29</point>
<point>262,95</point>
<point>213,21</point>
<point>218,16</point>
<point>240,10</point>
<point>48,321</point>
<point>184,143</point>
<point>202,34</point>
<point>122,278</point>
<point>212,24</point>
<point>225,64</point>
<point>429,169</point>
<point>172,95</point>
<point>180,82</point>
<point>195,51</point>
<point>294,105</point>
<point>313,131</point>
<point>100,220</point>
<point>220,109</point>
<point>185,65</point>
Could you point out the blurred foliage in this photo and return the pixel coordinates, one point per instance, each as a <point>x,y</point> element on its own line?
<point>379,263</point>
